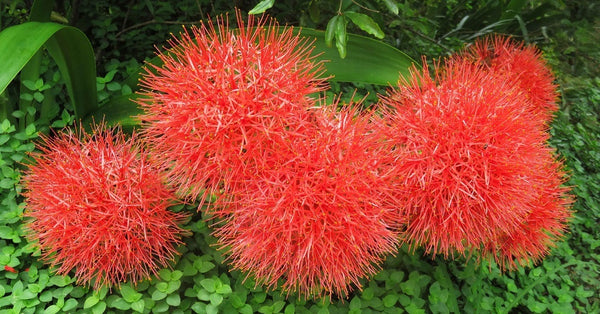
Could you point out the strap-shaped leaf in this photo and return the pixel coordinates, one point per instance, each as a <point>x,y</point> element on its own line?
<point>69,47</point>
<point>367,61</point>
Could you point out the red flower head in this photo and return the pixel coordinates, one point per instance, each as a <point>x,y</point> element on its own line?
<point>471,159</point>
<point>525,65</point>
<point>316,212</point>
<point>223,90</point>
<point>98,207</point>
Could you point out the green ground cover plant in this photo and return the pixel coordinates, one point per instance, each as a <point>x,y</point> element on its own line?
<point>201,281</point>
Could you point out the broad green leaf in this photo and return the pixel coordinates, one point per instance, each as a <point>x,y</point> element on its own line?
<point>365,23</point>
<point>69,47</point>
<point>262,7</point>
<point>368,61</point>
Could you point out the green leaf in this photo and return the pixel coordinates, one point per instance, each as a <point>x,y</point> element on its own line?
<point>90,301</point>
<point>69,47</point>
<point>368,60</point>
<point>99,308</point>
<point>341,38</point>
<point>392,6</point>
<point>262,7</point>
<point>216,299</point>
<point>173,300</point>
<point>60,281</point>
<point>330,30</point>
<point>208,284</point>
<point>390,300</point>
<point>355,304</point>
<point>365,23</point>
<point>138,306</point>
<point>69,305</point>
<point>52,309</point>
<point>129,294</point>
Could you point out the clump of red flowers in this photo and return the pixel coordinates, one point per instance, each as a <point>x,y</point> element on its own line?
<point>222,93</point>
<point>477,173</point>
<point>99,208</point>
<point>316,213</point>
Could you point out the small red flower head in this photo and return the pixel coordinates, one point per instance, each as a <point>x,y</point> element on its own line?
<point>470,158</point>
<point>97,206</point>
<point>524,65</point>
<point>316,212</point>
<point>223,90</point>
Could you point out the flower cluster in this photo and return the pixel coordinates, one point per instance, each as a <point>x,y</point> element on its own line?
<point>477,174</point>
<point>305,194</point>
<point>99,208</point>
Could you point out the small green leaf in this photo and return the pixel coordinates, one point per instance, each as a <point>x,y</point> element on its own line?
<point>392,6</point>
<point>138,306</point>
<point>355,304</point>
<point>69,305</point>
<point>223,289</point>
<point>290,309</point>
<point>173,300</point>
<point>341,37</point>
<point>158,295</point>
<point>212,309</point>
<point>165,274</point>
<point>262,7</point>
<point>90,301</point>
<point>52,309</point>
<point>208,284</point>
<point>390,300</point>
<point>246,309</point>
<point>162,286</point>
<point>129,294</point>
<point>59,281</point>
<point>278,306</point>
<point>330,30</point>
<point>99,308</point>
<point>365,23</point>
<point>216,299</point>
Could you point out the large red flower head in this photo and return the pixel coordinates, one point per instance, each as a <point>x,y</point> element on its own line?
<point>472,158</point>
<point>317,212</point>
<point>221,90</point>
<point>524,65</point>
<point>99,208</point>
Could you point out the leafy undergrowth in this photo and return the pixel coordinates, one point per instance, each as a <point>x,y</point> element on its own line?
<point>409,282</point>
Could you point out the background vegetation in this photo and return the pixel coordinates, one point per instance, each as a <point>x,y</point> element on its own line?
<point>123,36</point>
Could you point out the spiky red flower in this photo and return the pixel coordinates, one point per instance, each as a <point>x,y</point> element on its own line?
<point>316,210</point>
<point>524,65</point>
<point>471,158</point>
<point>220,91</point>
<point>99,208</point>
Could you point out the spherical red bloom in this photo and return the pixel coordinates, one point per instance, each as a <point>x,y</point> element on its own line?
<point>98,207</point>
<point>470,155</point>
<point>524,65</point>
<point>221,90</point>
<point>316,211</point>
